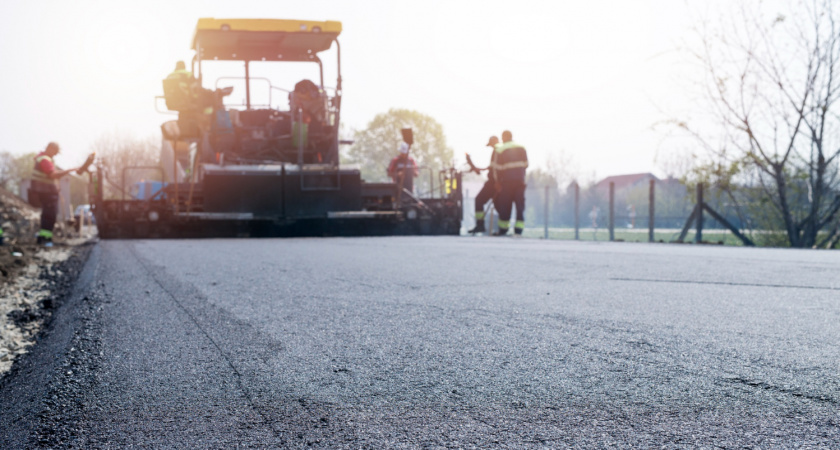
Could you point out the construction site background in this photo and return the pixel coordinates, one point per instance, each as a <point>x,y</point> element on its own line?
<point>550,211</point>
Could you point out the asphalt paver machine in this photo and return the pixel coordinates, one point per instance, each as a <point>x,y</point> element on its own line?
<point>269,166</point>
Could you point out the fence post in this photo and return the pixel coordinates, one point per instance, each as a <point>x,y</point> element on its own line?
<point>651,214</point>
<point>547,191</point>
<point>577,211</point>
<point>698,237</point>
<point>612,211</point>
<point>464,204</point>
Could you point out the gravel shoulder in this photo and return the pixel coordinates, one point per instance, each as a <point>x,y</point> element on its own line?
<point>41,316</point>
<point>27,296</point>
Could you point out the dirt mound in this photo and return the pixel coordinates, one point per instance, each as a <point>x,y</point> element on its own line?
<point>27,277</point>
<point>19,220</point>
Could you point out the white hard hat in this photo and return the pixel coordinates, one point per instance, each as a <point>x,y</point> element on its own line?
<point>403,148</point>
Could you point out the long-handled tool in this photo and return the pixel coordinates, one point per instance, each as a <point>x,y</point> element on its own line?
<point>84,168</point>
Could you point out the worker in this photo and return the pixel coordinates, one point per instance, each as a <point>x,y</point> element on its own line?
<point>181,72</point>
<point>44,185</point>
<point>511,163</point>
<point>403,168</point>
<point>180,89</point>
<point>488,191</point>
<point>183,92</point>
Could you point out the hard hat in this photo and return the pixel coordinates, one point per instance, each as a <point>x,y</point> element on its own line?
<point>493,141</point>
<point>403,148</point>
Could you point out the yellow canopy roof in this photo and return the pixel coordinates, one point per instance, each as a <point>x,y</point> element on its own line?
<point>263,39</point>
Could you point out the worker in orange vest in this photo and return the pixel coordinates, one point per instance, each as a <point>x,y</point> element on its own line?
<point>403,168</point>
<point>44,187</point>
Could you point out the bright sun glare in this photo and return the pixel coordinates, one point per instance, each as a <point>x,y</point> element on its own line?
<point>121,49</point>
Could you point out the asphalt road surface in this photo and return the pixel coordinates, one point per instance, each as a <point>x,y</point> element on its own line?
<point>442,342</point>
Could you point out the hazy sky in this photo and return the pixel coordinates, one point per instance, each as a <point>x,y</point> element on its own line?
<point>588,78</point>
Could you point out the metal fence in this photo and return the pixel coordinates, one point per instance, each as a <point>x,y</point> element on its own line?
<point>655,211</point>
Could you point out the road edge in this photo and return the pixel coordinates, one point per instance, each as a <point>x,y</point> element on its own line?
<point>25,391</point>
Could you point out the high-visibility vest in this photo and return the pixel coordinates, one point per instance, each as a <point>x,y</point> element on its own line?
<point>40,177</point>
<point>511,162</point>
<point>184,77</point>
<point>180,90</point>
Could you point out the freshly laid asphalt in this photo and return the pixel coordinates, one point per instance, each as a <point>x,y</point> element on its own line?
<point>436,342</point>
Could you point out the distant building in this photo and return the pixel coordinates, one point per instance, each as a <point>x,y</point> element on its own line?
<point>625,182</point>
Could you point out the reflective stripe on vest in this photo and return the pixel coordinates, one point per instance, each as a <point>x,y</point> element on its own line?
<point>512,165</point>
<point>511,162</point>
<point>38,175</point>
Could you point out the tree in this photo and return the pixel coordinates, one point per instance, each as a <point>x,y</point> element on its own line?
<point>556,173</point>
<point>15,169</point>
<point>377,144</point>
<point>772,81</point>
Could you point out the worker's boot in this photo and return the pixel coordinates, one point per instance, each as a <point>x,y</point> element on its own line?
<point>45,238</point>
<point>517,229</point>
<point>479,228</point>
<point>44,241</point>
<point>501,232</point>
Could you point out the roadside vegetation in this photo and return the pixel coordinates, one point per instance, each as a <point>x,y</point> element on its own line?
<point>770,143</point>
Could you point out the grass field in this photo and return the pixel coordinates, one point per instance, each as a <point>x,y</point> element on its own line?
<point>711,236</point>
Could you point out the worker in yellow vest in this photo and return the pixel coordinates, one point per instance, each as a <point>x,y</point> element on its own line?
<point>181,90</point>
<point>44,187</point>
<point>511,163</point>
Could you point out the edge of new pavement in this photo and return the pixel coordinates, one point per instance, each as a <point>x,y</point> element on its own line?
<point>39,386</point>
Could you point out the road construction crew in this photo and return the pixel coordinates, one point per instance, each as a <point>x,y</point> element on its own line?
<point>488,191</point>
<point>403,168</point>
<point>511,163</point>
<point>44,186</point>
